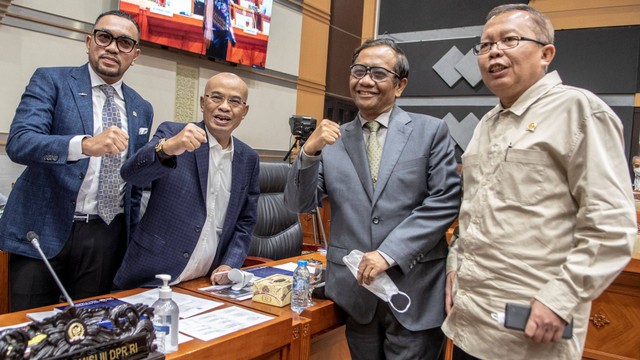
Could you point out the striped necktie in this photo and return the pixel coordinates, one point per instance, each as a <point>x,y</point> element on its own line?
<point>374,150</point>
<point>109,183</point>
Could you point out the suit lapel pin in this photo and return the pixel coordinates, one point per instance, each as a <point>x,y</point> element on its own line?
<point>82,94</point>
<point>532,127</point>
<point>135,113</point>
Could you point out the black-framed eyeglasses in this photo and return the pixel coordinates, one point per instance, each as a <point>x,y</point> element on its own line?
<point>377,73</point>
<point>234,101</point>
<point>104,38</point>
<point>508,42</point>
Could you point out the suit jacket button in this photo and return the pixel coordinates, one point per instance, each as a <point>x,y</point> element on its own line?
<point>81,176</point>
<point>375,220</point>
<point>73,203</point>
<point>198,228</point>
<point>185,255</point>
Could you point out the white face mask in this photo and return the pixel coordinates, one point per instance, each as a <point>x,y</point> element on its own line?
<point>382,286</point>
<point>636,170</point>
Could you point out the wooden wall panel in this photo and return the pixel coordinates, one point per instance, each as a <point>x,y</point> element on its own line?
<point>369,19</point>
<point>577,14</point>
<point>313,58</point>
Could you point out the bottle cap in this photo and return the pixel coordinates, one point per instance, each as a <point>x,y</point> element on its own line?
<point>302,263</point>
<point>164,290</point>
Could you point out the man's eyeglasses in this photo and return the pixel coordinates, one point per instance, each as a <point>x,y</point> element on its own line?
<point>234,101</point>
<point>377,73</point>
<point>104,39</point>
<point>508,42</point>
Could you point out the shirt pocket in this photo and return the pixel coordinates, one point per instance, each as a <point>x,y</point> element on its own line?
<point>471,174</point>
<point>523,177</point>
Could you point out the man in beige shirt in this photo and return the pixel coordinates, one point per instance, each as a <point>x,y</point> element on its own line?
<point>547,218</point>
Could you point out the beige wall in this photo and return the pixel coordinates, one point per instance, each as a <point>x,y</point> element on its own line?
<point>272,98</point>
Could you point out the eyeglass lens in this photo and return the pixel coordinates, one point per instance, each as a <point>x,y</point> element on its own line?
<point>508,42</point>
<point>378,73</point>
<point>104,39</point>
<point>219,99</point>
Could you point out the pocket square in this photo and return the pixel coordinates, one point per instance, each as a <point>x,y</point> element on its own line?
<point>143,131</point>
<point>135,113</point>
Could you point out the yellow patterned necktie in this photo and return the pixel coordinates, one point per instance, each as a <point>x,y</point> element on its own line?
<point>374,150</point>
<point>109,183</point>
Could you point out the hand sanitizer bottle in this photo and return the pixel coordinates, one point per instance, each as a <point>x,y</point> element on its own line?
<point>165,318</point>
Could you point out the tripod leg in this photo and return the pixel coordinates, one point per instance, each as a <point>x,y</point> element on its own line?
<point>313,221</point>
<point>323,235</point>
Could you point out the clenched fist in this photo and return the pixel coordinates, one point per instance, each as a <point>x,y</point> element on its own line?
<point>189,139</point>
<point>112,140</point>
<point>326,133</point>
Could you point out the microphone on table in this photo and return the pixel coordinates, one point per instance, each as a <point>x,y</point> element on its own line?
<point>33,239</point>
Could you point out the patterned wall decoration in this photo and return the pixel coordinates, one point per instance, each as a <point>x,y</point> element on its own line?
<point>455,65</point>
<point>186,96</point>
<point>461,131</point>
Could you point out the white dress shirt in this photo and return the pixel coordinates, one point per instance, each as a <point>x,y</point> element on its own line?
<point>218,193</point>
<point>87,201</point>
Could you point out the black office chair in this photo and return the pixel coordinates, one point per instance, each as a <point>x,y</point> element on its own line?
<point>278,232</point>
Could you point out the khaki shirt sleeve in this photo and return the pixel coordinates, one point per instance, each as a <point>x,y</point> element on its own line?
<point>605,226</point>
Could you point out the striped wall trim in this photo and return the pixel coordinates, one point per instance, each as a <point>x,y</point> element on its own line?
<point>436,35</point>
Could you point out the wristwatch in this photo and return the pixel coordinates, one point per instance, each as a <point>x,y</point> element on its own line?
<point>161,154</point>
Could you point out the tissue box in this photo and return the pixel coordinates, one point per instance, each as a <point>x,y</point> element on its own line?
<point>273,290</point>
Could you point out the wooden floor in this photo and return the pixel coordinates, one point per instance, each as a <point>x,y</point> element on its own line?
<point>330,345</point>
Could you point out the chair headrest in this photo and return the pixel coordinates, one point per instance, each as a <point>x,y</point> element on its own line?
<point>273,177</point>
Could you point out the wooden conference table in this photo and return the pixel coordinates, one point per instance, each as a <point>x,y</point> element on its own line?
<point>315,320</point>
<point>286,336</point>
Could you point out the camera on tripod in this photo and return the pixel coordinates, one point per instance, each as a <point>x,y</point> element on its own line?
<point>302,127</point>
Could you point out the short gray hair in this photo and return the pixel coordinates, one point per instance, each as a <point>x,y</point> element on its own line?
<point>543,26</point>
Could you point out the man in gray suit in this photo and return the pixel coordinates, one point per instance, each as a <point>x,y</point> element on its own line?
<point>392,182</point>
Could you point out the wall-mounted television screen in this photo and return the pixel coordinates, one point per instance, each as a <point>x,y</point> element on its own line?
<point>233,30</point>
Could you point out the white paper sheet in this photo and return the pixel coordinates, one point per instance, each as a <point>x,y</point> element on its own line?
<point>291,266</point>
<point>41,315</point>
<point>221,322</point>
<point>189,305</point>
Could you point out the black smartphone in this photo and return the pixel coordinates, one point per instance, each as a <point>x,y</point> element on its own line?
<point>516,316</point>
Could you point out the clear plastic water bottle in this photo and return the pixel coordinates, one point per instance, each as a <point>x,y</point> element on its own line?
<point>300,295</point>
<point>165,318</point>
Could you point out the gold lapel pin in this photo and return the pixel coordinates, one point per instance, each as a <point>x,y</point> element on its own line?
<point>532,127</point>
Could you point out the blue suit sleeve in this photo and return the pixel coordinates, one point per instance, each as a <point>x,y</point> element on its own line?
<point>34,138</point>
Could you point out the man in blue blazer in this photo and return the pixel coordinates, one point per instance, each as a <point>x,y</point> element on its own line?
<point>59,134</point>
<point>204,194</point>
<point>396,210</point>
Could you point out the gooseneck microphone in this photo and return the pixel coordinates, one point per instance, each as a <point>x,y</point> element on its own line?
<point>33,239</point>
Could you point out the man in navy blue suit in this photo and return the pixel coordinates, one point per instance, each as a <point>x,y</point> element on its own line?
<point>72,129</point>
<point>204,194</point>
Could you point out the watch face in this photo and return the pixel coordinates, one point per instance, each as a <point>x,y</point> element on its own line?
<point>159,145</point>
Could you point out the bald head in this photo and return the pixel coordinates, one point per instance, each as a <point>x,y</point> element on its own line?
<point>224,105</point>
<point>227,79</point>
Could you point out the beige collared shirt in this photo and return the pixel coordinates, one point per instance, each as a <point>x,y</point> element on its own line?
<point>547,214</point>
<point>218,194</point>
